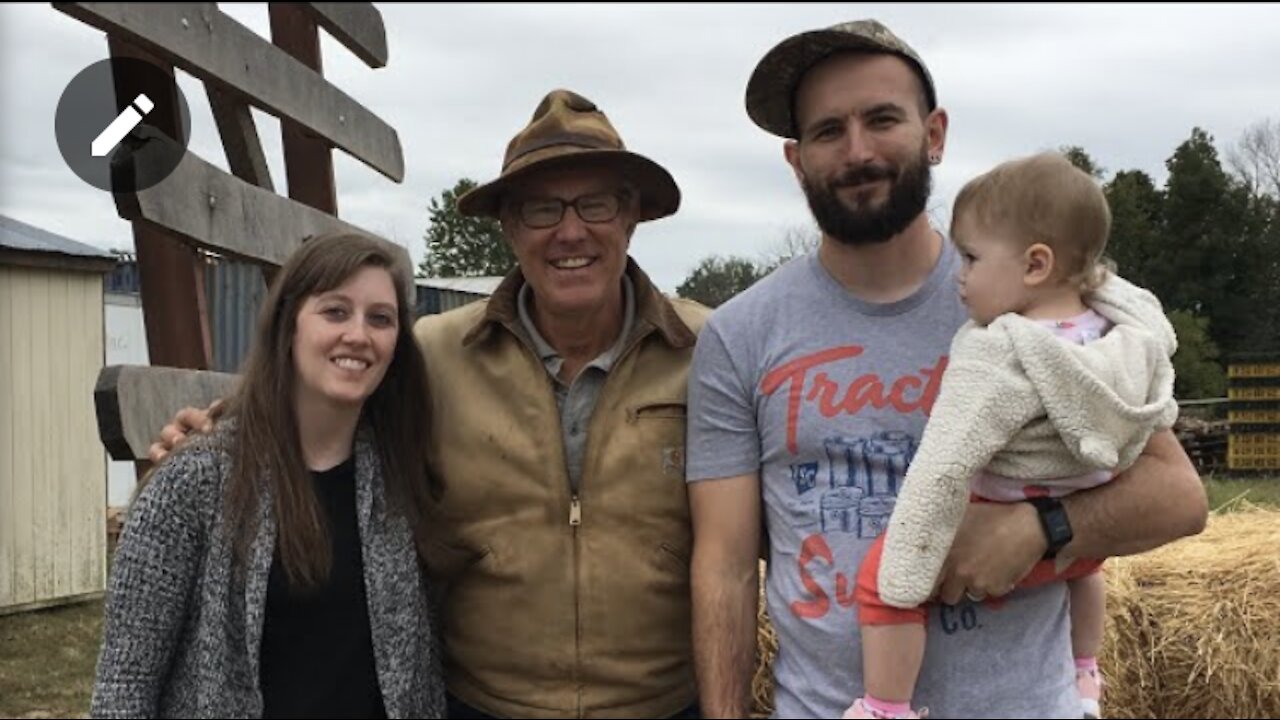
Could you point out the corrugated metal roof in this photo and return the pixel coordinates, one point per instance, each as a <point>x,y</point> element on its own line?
<point>473,285</point>
<point>234,292</point>
<point>17,235</point>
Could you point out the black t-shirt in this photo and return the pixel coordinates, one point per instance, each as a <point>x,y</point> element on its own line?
<point>317,650</point>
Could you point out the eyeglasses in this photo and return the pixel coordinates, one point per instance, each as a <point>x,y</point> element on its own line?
<point>542,213</point>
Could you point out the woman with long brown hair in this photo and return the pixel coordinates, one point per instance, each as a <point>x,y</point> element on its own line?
<point>271,567</point>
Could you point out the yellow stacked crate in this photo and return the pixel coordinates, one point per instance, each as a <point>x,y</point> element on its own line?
<point>1253,388</point>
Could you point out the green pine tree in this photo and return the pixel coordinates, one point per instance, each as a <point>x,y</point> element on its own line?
<point>461,246</point>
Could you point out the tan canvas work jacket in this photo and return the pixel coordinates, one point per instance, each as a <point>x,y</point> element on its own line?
<point>562,604</point>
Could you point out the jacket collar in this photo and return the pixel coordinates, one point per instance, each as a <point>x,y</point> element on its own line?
<point>653,312</point>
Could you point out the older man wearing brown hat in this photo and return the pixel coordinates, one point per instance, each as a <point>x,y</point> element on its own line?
<point>809,394</point>
<point>563,531</point>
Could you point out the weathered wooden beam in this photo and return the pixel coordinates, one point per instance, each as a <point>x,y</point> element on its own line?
<point>135,402</point>
<point>308,161</point>
<point>239,137</point>
<point>217,211</point>
<point>358,26</point>
<point>203,41</point>
<point>174,307</point>
<point>171,275</point>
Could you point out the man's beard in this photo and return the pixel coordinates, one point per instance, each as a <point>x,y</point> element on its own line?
<point>908,192</point>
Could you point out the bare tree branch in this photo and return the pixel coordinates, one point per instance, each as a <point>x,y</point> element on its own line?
<point>1255,158</point>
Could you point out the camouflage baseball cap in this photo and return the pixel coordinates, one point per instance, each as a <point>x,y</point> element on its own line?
<point>569,130</point>
<point>772,88</point>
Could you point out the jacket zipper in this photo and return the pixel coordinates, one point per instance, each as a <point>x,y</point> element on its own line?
<point>575,515</point>
<point>575,521</point>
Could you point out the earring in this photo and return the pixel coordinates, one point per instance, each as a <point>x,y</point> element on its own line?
<point>934,159</point>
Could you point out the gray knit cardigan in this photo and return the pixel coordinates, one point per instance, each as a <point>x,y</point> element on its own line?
<point>182,635</point>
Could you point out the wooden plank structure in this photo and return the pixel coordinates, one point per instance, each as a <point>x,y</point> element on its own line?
<point>133,400</point>
<point>238,214</point>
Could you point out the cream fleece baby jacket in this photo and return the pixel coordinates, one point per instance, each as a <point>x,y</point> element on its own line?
<point>1023,403</point>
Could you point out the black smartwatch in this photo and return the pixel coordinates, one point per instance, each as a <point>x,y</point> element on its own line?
<point>1054,522</point>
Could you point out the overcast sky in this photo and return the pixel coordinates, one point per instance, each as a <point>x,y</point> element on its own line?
<point>1127,83</point>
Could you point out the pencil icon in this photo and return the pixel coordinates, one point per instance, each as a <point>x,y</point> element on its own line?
<point>127,120</point>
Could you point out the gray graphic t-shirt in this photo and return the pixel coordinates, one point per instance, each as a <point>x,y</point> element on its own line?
<point>826,396</point>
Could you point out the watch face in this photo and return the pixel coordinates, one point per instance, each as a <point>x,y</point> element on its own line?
<point>1059,528</point>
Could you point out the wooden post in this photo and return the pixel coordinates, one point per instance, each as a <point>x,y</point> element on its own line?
<point>308,160</point>
<point>171,273</point>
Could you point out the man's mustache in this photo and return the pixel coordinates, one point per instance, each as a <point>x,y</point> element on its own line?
<point>864,174</point>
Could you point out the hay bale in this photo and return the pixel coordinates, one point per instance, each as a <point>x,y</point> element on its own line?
<point>766,650</point>
<point>1193,628</point>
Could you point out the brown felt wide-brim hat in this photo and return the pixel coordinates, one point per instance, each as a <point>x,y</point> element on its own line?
<point>568,130</point>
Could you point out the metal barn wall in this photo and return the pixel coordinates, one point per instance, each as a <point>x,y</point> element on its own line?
<point>52,468</point>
